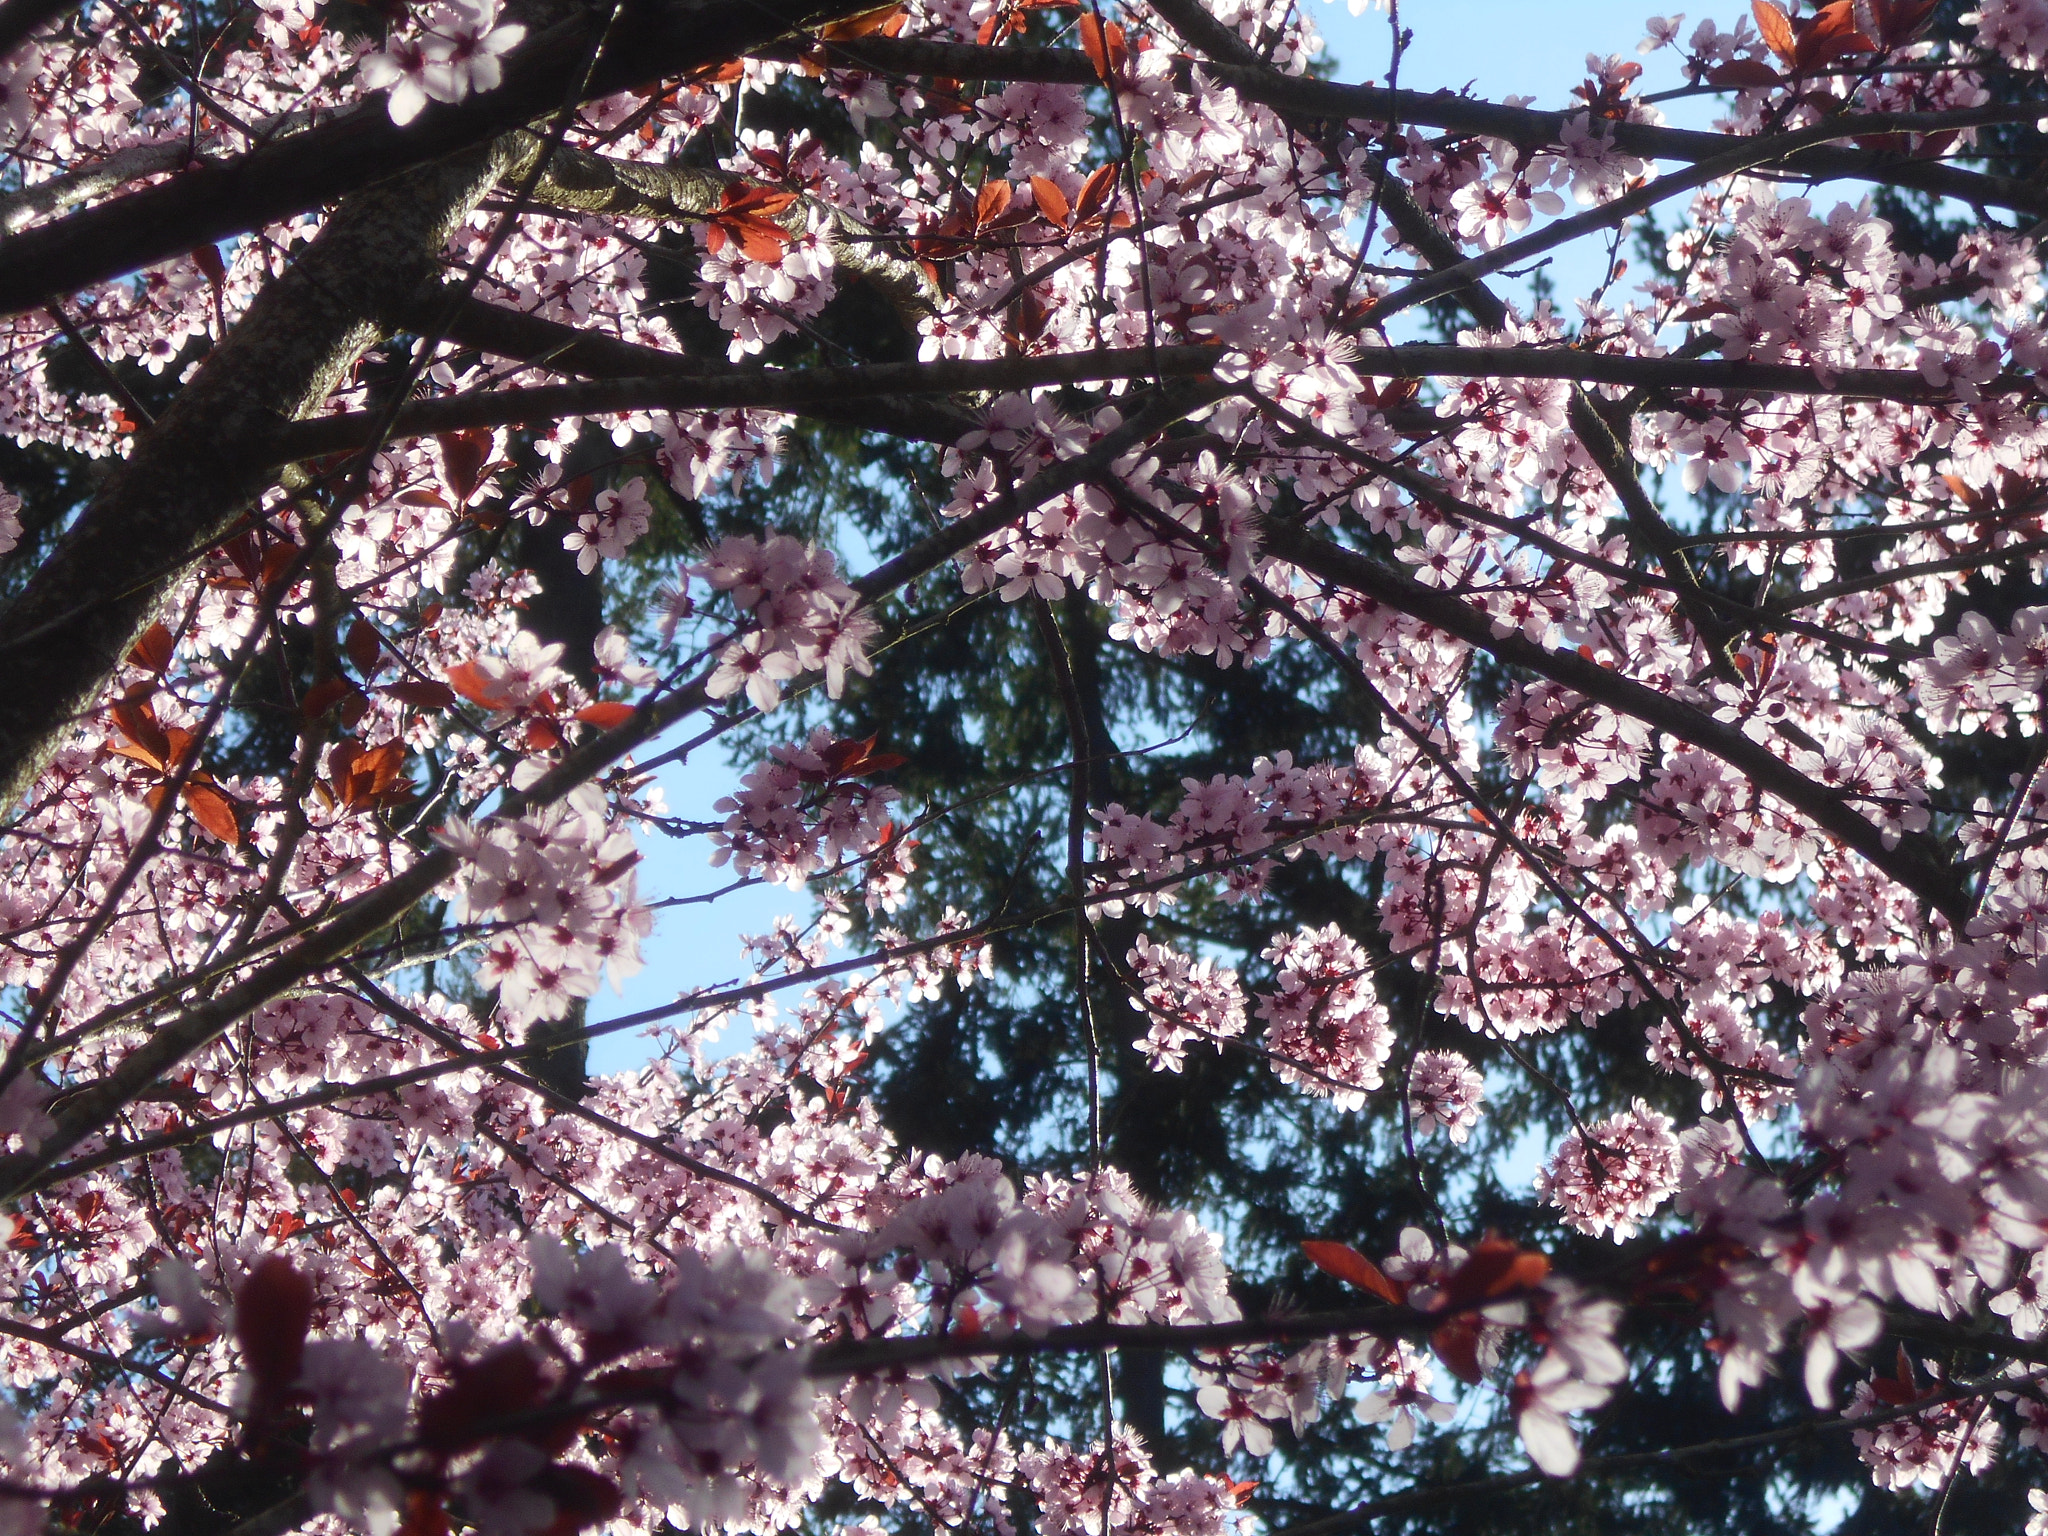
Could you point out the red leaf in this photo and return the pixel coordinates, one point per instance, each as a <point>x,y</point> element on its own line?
<point>421,691</point>
<point>1095,191</point>
<point>247,558</point>
<point>1495,1267</point>
<point>1831,35</point>
<point>1051,202</point>
<point>504,1381</point>
<point>470,680</point>
<point>751,199</point>
<point>153,651</point>
<point>1457,1344</point>
<point>1739,74</point>
<point>137,721</point>
<point>463,455</point>
<point>371,778</point>
<point>581,1498</point>
<point>363,647</point>
<point>1776,28</point>
<point>718,74</point>
<point>1104,46</point>
<point>273,1310</point>
<point>213,811</point>
<point>605,716</point>
<point>761,241</point>
<point>1353,1268</point>
<point>864,25</point>
<point>992,200</point>
<point>278,559</point>
<point>207,257</point>
<point>323,696</point>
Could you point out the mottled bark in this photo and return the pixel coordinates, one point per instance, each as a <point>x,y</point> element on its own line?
<point>649,41</point>
<point>580,182</point>
<point>200,466</point>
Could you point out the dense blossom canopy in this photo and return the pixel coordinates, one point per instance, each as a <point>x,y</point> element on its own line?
<point>1689,778</point>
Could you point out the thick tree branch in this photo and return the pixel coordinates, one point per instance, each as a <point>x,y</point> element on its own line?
<point>514,334</point>
<point>670,382</point>
<point>581,182</point>
<point>1303,97</point>
<point>198,468</point>
<point>650,41</point>
<point>726,389</point>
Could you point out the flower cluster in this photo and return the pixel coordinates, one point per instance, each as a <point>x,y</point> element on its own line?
<point>1327,1032</point>
<point>552,893</point>
<point>803,618</point>
<point>1614,1174</point>
<point>457,47</point>
<point>1444,1093</point>
<point>806,811</point>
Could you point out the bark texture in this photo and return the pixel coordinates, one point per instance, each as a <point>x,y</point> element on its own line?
<point>206,459</point>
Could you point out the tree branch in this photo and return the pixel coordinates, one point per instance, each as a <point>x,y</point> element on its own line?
<point>1914,860</point>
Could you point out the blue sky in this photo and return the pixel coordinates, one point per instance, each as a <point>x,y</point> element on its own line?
<point>1494,48</point>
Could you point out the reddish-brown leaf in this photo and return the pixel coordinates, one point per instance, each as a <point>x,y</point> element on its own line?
<point>1095,191</point>
<point>1898,20</point>
<point>506,1380</point>
<point>1456,1343</point>
<point>760,240</point>
<point>423,692</point>
<point>1104,46</point>
<point>207,258</point>
<point>283,1225</point>
<point>1776,28</point>
<point>273,1310</point>
<point>1741,74</point>
<point>606,715</point>
<point>470,680</point>
<point>324,695</point>
<point>371,778</point>
<point>153,651</point>
<point>463,455</point>
<point>582,1498</point>
<point>718,74</point>
<point>1831,35</point>
<point>278,559</point>
<point>1051,202</point>
<point>1973,497</point>
<point>754,199</point>
<point>887,19</point>
<point>1353,1268</point>
<point>242,551</point>
<point>1495,1267</point>
<point>363,647</point>
<point>137,722</point>
<point>992,201</point>
<point>214,811</point>
<point>605,874</point>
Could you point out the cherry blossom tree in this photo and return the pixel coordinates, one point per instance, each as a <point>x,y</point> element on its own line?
<point>1671,650</point>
